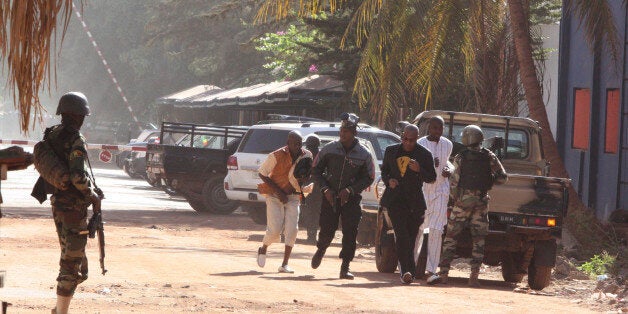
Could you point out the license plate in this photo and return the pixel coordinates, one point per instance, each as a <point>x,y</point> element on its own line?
<point>254,175</point>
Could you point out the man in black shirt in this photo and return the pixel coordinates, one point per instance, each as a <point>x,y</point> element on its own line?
<point>405,168</point>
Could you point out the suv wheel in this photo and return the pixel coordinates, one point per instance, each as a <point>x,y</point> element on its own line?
<point>366,229</point>
<point>257,213</point>
<point>215,198</point>
<point>385,251</point>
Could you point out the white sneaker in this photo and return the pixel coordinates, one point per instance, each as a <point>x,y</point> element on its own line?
<point>285,269</point>
<point>261,258</point>
<point>436,278</point>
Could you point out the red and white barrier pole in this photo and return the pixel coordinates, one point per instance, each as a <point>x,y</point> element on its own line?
<point>104,62</point>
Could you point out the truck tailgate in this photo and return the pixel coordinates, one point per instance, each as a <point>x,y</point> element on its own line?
<point>528,194</point>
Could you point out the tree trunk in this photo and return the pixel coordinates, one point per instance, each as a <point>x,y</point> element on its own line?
<point>531,85</point>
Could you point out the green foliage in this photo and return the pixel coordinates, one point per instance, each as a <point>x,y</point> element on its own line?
<point>286,52</point>
<point>599,264</point>
<point>545,11</point>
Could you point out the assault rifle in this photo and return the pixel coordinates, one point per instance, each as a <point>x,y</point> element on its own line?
<point>95,226</point>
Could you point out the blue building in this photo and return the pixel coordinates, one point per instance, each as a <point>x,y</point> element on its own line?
<point>592,119</point>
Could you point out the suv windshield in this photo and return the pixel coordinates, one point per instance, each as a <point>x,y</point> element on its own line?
<point>263,141</point>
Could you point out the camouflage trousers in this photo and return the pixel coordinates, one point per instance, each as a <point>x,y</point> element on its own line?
<point>71,225</point>
<point>476,218</point>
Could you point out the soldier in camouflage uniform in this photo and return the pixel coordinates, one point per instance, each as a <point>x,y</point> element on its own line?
<point>69,207</point>
<point>476,170</point>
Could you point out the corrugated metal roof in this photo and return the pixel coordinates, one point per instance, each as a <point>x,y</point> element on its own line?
<point>189,94</point>
<point>312,87</point>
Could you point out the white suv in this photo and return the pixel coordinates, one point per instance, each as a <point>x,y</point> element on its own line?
<point>260,140</point>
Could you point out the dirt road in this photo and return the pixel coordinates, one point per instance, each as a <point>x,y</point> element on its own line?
<point>164,257</point>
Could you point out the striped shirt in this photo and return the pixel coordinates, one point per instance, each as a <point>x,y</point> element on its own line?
<point>441,150</point>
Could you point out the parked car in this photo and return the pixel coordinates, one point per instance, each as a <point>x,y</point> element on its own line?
<point>526,214</point>
<point>135,163</point>
<point>191,160</point>
<point>242,176</point>
<point>141,140</point>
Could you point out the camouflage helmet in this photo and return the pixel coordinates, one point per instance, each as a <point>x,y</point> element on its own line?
<point>472,135</point>
<point>73,102</point>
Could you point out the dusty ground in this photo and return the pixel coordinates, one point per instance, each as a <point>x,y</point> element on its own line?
<point>164,257</point>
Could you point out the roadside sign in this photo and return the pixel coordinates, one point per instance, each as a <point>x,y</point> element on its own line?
<point>105,156</point>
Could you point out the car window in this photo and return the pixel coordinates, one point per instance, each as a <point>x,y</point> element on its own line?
<point>517,139</point>
<point>263,141</point>
<point>384,141</point>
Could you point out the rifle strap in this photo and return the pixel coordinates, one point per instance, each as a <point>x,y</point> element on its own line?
<point>91,171</point>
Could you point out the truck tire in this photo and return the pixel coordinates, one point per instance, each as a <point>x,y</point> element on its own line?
<point>539,277</point>
<point>168,188</point>
<point>215,198</point>
<point>198,206</point>
<point>421,263</point>
<point>510,261</point>
<point>152,180</point>
<point>385,251</point>
<point>257,213</point>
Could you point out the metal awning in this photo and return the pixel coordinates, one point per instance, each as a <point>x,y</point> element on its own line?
<point>311,88</point>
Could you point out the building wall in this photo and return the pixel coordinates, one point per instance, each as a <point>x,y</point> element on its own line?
<point>550,33</point>
<point>595,173</point>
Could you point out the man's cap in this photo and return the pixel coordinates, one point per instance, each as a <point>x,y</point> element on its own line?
<point>349,120</point>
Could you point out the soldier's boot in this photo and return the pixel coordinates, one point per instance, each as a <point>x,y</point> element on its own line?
<point>63,305</point>
<point>345,273</point>
<point>473,278</point>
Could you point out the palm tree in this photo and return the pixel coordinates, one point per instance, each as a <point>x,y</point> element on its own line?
<point>598,20</point>
<point>27,37</point>
<point>414,35</point>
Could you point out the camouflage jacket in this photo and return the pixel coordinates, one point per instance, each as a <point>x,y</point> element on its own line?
<point>469,197</point>
<point>70,145</point>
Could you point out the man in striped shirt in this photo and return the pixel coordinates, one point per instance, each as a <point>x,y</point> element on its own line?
<point>436,193</point>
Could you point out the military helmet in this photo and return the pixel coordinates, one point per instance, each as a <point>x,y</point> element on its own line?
<point>73,102</point>
<point>472,135</point>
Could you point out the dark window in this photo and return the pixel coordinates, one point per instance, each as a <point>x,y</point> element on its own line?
<point>383,141</point>
<point>581,118</point>
<point>612,121</point>
<point>517,139</point>
<point>263,141</point>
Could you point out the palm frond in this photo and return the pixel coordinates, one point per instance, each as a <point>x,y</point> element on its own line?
<point>281,9</point>
<point>27,33</point>
<point>599,24</point>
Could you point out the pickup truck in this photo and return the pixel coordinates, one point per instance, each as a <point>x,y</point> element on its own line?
<point>191,159</point>
<point>526,214</point>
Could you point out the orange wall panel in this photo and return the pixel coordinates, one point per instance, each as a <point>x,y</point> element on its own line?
<point>581,119</point>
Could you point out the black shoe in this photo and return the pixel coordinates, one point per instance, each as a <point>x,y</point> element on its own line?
<point>317,258</point>
<point>346,274</point>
